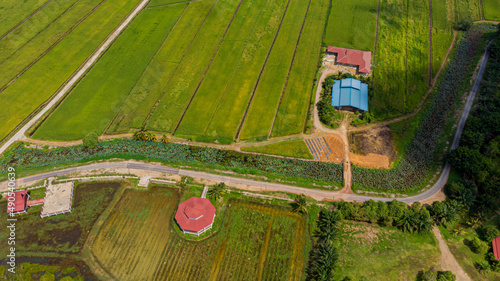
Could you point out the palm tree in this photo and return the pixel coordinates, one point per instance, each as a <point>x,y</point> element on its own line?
<point>217,191</point>
<point>300,204</point>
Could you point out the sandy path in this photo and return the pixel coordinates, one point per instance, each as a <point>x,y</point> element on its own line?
<point>447,260</point>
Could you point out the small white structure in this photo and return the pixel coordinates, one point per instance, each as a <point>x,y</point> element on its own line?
<point>58,199</point>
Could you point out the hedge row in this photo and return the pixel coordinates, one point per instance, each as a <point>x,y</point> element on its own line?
<point>23,158</point>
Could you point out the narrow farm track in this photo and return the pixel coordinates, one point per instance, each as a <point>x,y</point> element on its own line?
<point>206,70</point>
<point>447,260</point>
<point>20,134</point>
<point>51,47</point>
<point>24,20</point>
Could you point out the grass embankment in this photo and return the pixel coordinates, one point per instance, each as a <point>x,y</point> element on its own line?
<point>250,241</point>
<point>92,104</point>
<point>352,25</point>
<point>151,85</point>
<point>295,148</point>
<point>43,79</point>
<point>370,252</point>
<point>294,104</point>
<point>221,99</point>
<point>491,9</point>
<point>267,95</point>
<point>184,81</point>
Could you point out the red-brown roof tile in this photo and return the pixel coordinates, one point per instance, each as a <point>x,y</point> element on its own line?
<point>353,57</point>
<point>20,199</point>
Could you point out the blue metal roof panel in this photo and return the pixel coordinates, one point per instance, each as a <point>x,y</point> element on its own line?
<point>336,93</point>
<point>345,96</point>
<point>355,98</point>
<point>347,82</point>
<point>363,97</point>
<point>356,84</point>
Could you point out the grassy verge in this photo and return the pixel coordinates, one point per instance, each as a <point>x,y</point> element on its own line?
<point>295,148</point>
<point>370,252</point>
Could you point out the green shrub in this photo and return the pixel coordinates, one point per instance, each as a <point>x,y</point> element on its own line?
<point>477,246</point>
<point>488,232</point>
<point>91,140</point>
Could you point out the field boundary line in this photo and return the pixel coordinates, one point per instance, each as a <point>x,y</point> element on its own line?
<point>42,30</point>
<point>78,74</point>
<point>145,69</point>
<point>188,47</point>
<point>376,29</point>
<point>52,47</point>
<point>290,68</point>
<point>265,248</point>
<point>207,68</point>
<point>24,20</point>
<point>171,4</point>
<point>242,121</point>
<point>430,44</point>
<point>481,9</point>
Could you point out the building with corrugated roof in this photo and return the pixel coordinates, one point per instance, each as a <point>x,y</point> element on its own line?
<point>17,202</point>
<point>350,93</point>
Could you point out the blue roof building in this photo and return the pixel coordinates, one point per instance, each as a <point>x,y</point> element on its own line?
<point>350,92</point>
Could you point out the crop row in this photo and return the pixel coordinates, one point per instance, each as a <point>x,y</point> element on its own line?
<point>43,79</point>
<point>414,167</point>
<point>292,111</point>
<point>220,101</point>
<point>266,98</point>
<point>94,101</point>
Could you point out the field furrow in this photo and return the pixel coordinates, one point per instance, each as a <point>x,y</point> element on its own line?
<point>43,79</point>
<point>151,85</point>
<point>294,105</point>
<point>13,13</point>
<point>95,100</point>
<point>222,97</point>
<point>188,74</point>
<point>265,100</point>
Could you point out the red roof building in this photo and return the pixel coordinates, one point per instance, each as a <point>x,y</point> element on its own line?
<point>195,215</point>
<point>361,59</point>
<point>17,202</point>
<point>496,247</point>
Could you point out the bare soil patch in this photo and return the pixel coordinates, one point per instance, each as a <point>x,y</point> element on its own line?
<point>374,147</point>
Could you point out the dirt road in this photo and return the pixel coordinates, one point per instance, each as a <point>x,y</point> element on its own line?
<point>447,260</point>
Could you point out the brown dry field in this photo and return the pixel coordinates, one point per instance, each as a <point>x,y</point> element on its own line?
<point>373,148</point>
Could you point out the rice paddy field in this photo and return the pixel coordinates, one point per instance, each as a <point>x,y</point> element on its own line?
<point>43,43</point>
<point>139,240</point>
<point>491,9</point>
<point>213,71</point>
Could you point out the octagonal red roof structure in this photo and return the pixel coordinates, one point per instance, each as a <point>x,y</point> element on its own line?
<point>195,215</point>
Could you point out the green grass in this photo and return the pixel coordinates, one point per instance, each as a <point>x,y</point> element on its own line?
<point>184,81</point>
<point>62,233</point>
<point>219,103</point>
<point>13,12</point>
<point>40,82</point>
<point>465,257</point>
<point>371,252</point>
<point>351,24</point>
<point>491,9</point>
<point>93,102</point>
<point>401,73</point>
<point>295,148</point>
<point>151,85</point>
<point>292,112</point>
<point>261,113</point>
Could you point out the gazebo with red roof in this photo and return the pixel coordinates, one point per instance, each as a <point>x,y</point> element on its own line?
<point>17,202</point>
<point>195,215</point>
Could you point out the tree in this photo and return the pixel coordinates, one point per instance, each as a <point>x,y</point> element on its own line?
<point>91,140</point>
<point>164,139</point>
<point>477,246</point>
<point>464,24</point>
<point>217,191</point>
<point>446,276</point>
<point>143,135</point>
<point>466,160</point>
<point>487,232</point>
<point>300,204</point>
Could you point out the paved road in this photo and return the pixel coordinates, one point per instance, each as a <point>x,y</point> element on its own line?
<point>75,78</point>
